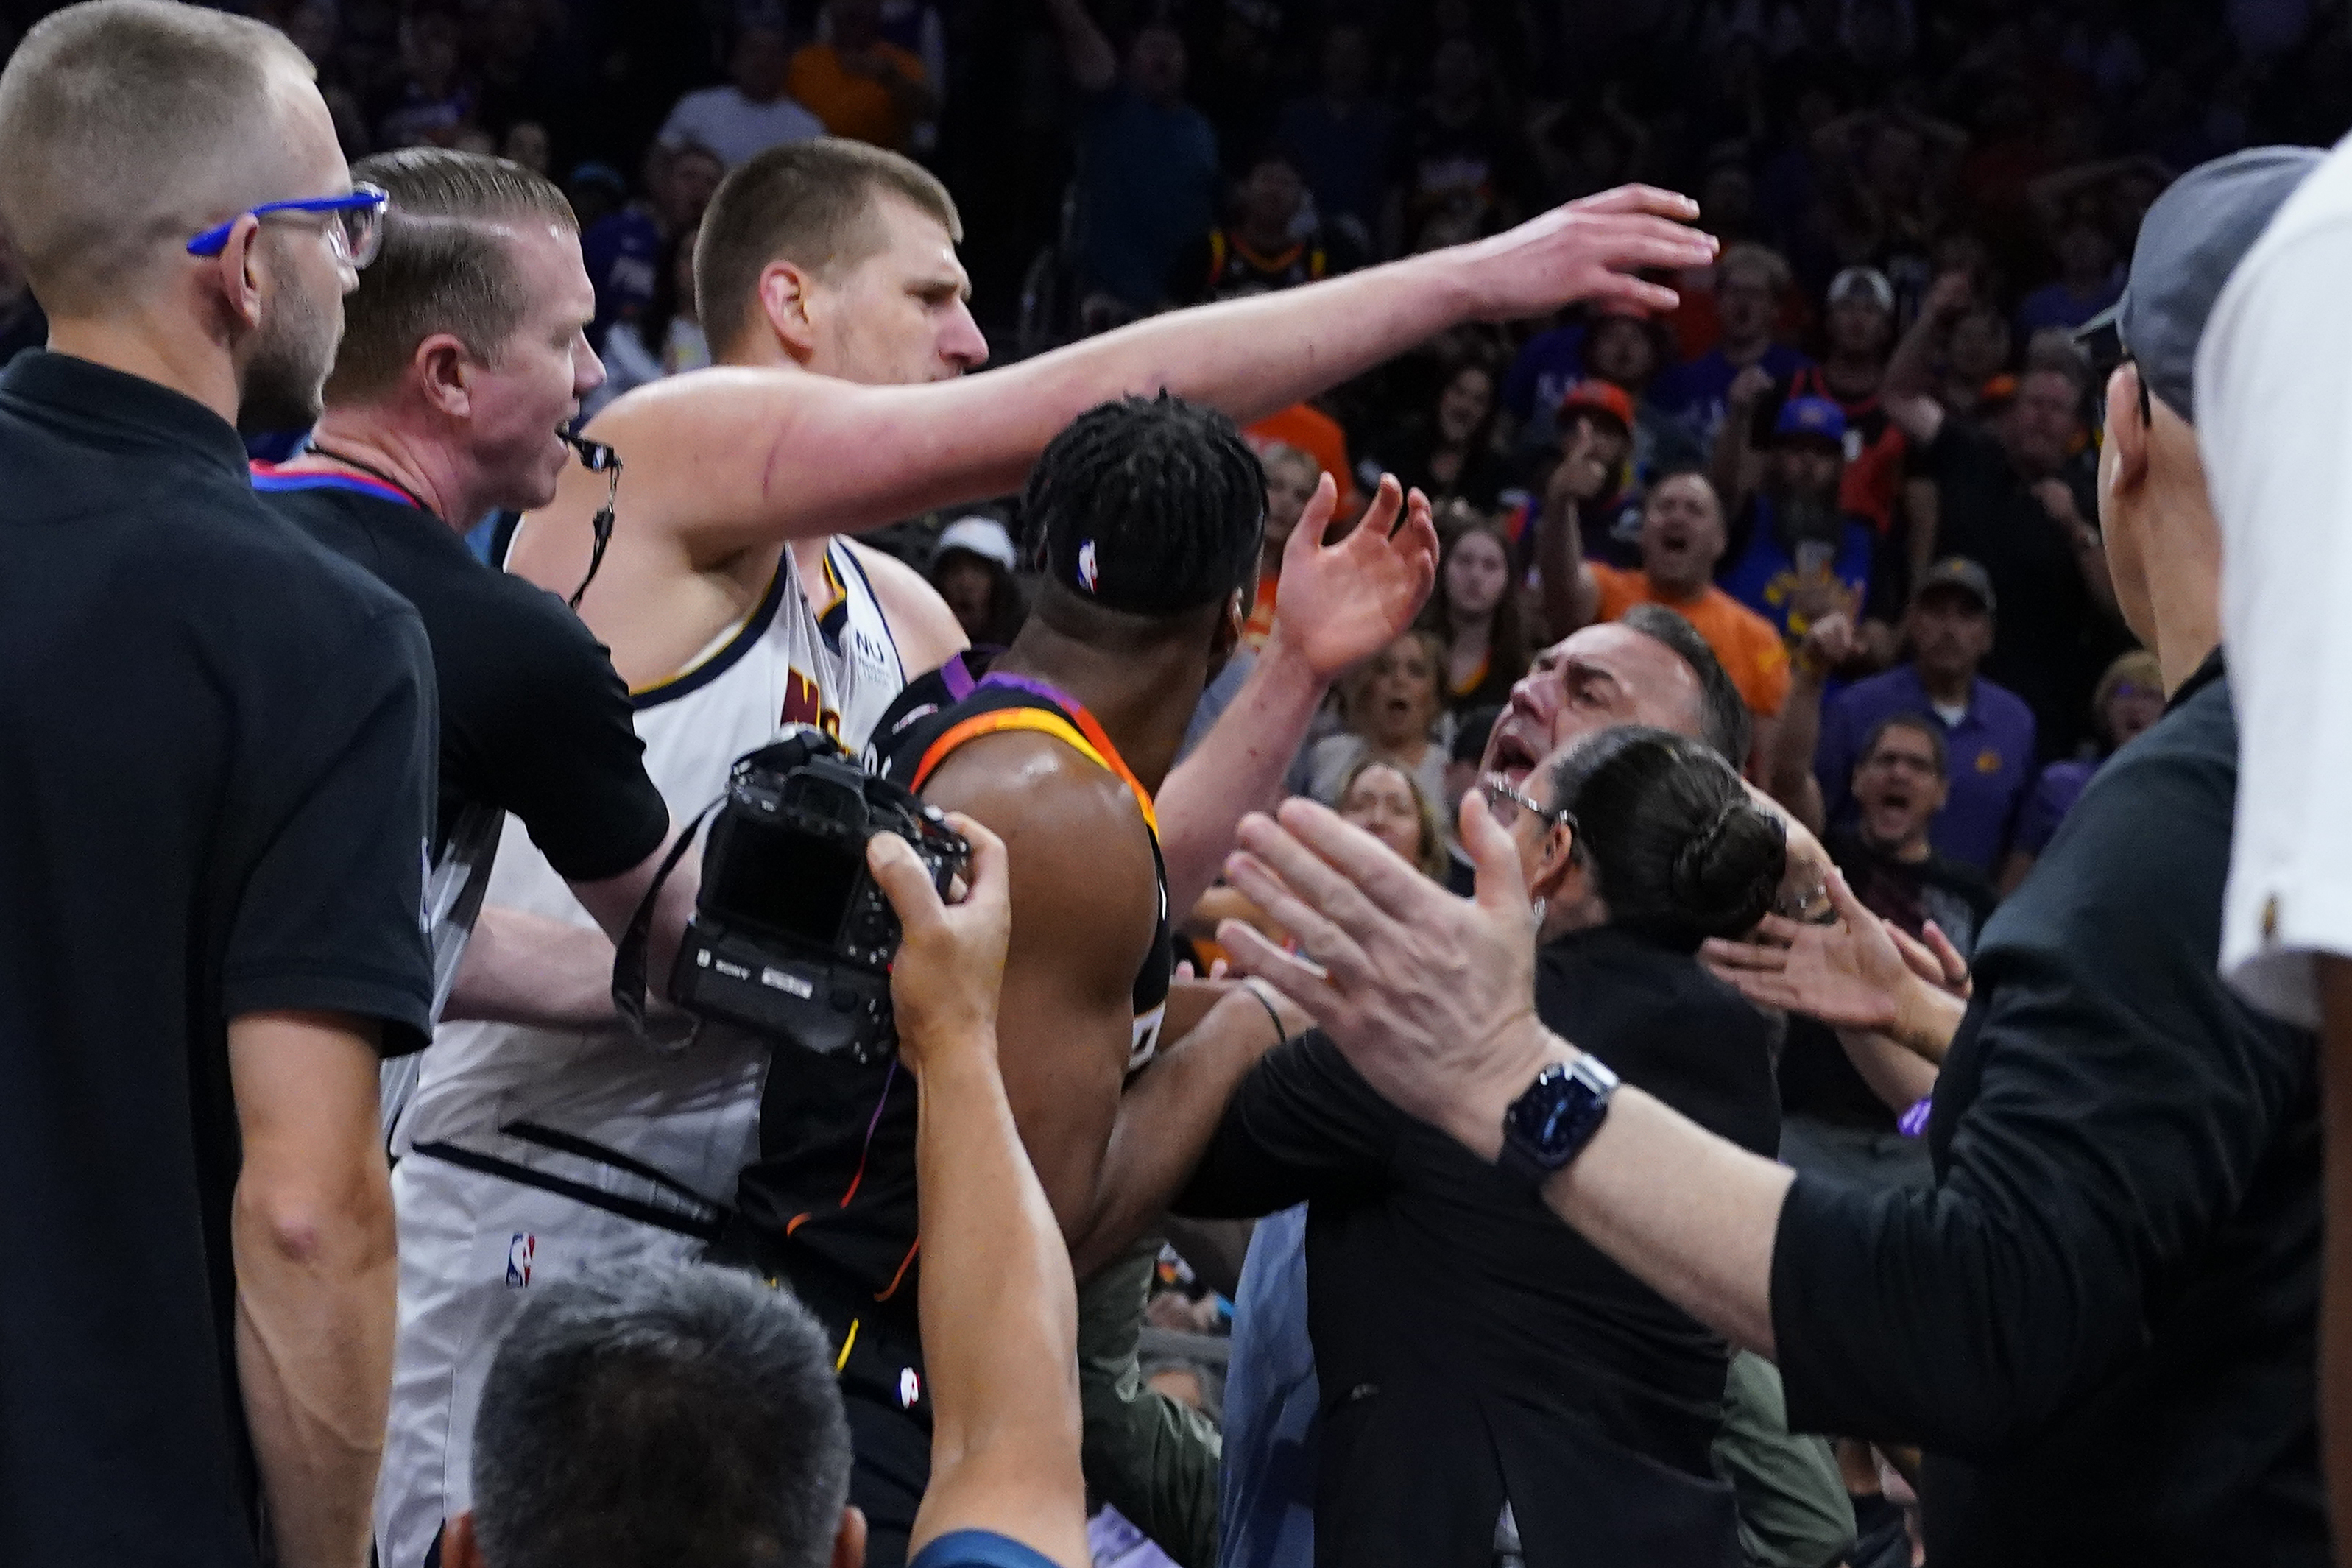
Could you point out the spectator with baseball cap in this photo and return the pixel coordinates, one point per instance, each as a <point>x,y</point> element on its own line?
<point>1795,555</point>
<point>1988,730</point>
<point>1595,475</point>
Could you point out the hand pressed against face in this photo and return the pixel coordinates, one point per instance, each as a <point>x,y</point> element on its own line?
<point>1604,675</point>
<point>901,316</point>
<point>530,390</point>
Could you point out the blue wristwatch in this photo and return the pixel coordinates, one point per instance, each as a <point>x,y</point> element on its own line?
<point>1551,1124</point>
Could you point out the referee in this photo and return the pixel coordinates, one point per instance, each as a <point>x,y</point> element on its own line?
<point>214,767</point>
<point>464,356</point>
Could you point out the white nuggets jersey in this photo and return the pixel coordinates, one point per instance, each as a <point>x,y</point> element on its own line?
<point>826,659</point>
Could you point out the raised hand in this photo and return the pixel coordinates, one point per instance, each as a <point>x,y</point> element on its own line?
<point>1580,475</point>
<point>1341,603</point>
<point>1850,974</point>
<point>1430,995</point>
<point>1589,249</point>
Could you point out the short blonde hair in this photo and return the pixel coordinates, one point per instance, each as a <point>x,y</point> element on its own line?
<point>125,124</point>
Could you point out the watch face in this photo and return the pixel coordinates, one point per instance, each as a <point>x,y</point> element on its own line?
<point>1551,1119</point>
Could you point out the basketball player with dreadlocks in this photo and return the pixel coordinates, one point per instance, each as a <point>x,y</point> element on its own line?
<point>1146,516</point>
<point>831,292</point>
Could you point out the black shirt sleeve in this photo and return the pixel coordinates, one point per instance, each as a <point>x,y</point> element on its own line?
<point>329,919</point>
<point>1303,1125</point>
<point>551,729</point>
<point>2110,1104</point>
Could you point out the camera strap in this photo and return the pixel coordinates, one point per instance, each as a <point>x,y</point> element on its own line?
<point>629,958</point>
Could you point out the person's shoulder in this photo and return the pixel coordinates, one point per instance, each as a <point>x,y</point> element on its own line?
<point>925,630</point>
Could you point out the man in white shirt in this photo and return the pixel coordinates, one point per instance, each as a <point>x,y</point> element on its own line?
<point>2274,399</point>
<point>751,113</point>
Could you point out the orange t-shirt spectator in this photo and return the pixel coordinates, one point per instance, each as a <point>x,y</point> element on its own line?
<point>1682,539</point>
<point>862,86</point>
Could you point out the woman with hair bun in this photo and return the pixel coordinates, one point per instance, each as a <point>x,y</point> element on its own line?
<point>1473,1352</point>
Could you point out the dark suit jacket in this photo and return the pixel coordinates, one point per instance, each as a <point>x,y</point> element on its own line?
<point>1470,1347</point>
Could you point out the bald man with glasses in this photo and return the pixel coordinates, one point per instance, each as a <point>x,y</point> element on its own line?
<point>216,761</point>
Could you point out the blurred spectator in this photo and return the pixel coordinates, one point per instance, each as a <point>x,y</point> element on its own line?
<point>1338,137</point>
<point>1320,436</point>
<point>2129,700</point>
<point>664,338</point>
<point>1987,730</point>
<point>1147,177</point>
<point>22,324</point>
<point>2016,500</point>
<point>972,569</point>
<point>1291,476</point>
<point>915,26</point>
<point>1388,803</point>
<point>1839,1118</point>
<point>526,144</point>
<point>1860,323</point>
<point>1390,704</point>
<point>1748,283</point>
<point>1595,472</point>
<point>1681,541</point>
<point>1795,553</point>
<point>433,101</point>
<point>1476,616</point>
<point>624,249</point>
<point>1272,243</point>
<point>751,112</point>
<point>1446,451</point>
<point>2088,280</point>
<point>1459,157</point>
<point>596,190</point>
<point>859,83</point>
<point>1976,358</point>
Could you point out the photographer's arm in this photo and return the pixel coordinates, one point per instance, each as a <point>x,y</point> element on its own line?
<point>998,1307</point>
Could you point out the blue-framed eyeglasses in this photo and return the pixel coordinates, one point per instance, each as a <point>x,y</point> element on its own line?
<point>356,233</point>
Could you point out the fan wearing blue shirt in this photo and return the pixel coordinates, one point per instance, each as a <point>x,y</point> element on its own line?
<point>692,1415</point>
<point>1793,540</point>
<point>1749,281</point>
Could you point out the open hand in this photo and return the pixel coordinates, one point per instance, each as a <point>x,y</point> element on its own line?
<point>1430,995</point>
<point>1592,248</point>
<point>950,965</point>
<point>1849,975</point>
<point>1337,604</point>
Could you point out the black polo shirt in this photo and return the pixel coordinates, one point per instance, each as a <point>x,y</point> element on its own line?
<point>215,771</point>
<point>2101,1320</point>
<point>534,719</point>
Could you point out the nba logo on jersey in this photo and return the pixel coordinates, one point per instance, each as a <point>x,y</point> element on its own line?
<point>1088,577</point>
<point>911,1388</point>
<point>519,1252</point>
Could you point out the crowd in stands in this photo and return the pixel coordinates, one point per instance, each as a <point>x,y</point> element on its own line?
<point>1860,457</point>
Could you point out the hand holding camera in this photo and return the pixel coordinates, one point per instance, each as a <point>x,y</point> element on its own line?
<point>950,965</point>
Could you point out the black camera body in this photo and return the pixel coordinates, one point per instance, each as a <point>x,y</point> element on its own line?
<point>791,936</point>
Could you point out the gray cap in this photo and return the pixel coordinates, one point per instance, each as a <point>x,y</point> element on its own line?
<point>2190,241</point>
<point>1959,571</point>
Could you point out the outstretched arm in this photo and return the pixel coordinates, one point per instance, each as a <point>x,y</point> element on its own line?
<point>1339,602</point>
<point>729,459</point>
<point>999,1310</point>
<point>1571,596</point>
